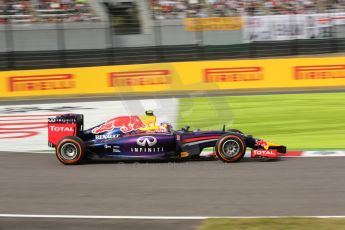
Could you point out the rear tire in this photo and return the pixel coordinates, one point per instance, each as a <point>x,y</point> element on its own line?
<point>230,148</point>
<point>70,150</point>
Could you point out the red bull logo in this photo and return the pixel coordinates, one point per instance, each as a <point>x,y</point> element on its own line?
<point>125,124</point>
<point>261,143</point>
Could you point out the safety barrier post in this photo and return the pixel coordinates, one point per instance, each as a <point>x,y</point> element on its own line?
<point>10,58</point>
<point>61,45</point>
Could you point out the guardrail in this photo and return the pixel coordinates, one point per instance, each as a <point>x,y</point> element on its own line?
<point>140,55</point>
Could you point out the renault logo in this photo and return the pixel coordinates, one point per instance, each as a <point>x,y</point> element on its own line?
<point>146,141</point>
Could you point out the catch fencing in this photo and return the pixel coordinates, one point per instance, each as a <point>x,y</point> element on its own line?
<point>62,45</point>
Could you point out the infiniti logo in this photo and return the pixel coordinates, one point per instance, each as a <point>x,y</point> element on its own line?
<point>146,141</point>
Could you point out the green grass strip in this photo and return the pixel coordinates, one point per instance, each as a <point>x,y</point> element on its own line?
<point>299,121</point>
<point>274,224</point>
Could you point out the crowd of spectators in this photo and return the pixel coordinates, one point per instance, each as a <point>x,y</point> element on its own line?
<point>24,11</point>
<point>15,10</point>
<point>64,10</point>
<point>172,9</point>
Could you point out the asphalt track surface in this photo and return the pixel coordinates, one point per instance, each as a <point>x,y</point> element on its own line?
<point>72,224</point>
<point>39,184</point>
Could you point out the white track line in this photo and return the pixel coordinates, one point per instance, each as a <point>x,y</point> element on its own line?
<point>154,217</point>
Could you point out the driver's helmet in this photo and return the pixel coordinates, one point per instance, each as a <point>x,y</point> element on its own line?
<point>165,126</point>
<point>149,113</point>
<point>149,119</point>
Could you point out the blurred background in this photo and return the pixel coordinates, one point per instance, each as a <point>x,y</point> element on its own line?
<point>72,33</point>
<point>44,34</point>
<point>271,68</point>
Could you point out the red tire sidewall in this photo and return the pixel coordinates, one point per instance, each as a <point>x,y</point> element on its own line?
<point>77,144</point>
<point>238,156</point>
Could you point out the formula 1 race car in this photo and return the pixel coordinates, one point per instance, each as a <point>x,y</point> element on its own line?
<point>138,137</point>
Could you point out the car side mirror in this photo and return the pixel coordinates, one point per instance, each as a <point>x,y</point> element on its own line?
<point>186,128</point>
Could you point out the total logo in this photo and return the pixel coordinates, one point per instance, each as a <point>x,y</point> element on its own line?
<point>61,129</point>
<point>264,154</point>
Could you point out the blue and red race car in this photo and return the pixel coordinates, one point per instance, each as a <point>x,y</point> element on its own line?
<point>138,137</point>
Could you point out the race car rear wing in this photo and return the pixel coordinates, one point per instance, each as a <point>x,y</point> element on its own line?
<point>62,126</point>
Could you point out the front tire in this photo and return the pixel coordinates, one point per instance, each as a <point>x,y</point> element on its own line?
<point>230,148</point>
<point>235,131</point>
<point>70,150</point>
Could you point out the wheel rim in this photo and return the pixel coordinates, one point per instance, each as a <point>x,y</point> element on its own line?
<point>69,151</point>
<point>231,148</point>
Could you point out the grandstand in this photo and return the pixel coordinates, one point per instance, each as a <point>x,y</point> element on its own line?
<point>34,11</point>
<point>174,9</point>
<point>66,10</point>
<point>29,11</point>
<point>16,11</point>
<point>68,33</point>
